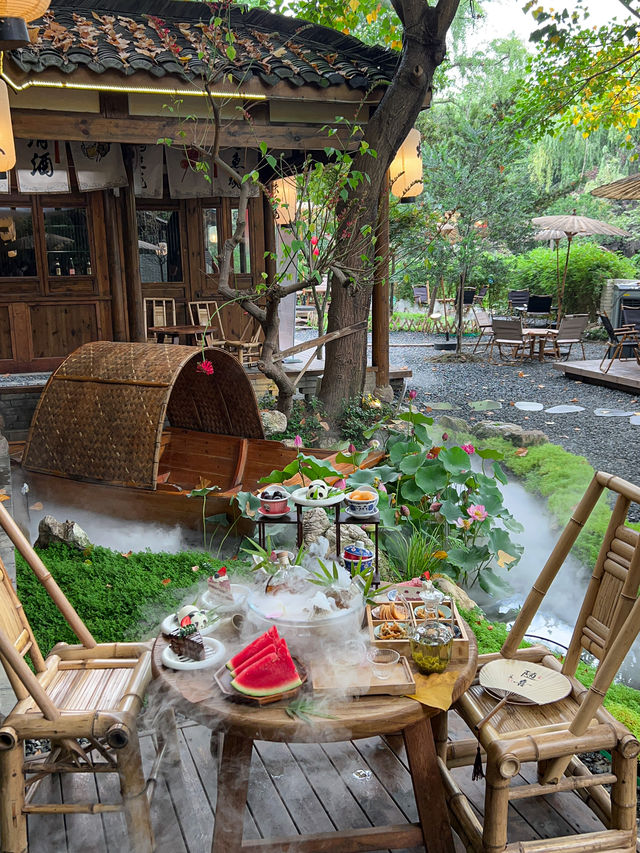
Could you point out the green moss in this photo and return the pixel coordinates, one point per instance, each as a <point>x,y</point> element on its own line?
<point>117,597</point>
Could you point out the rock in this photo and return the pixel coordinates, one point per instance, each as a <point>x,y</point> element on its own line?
<point>511,432</point>
<point>384,393</point>
<point>314,524</point>
<point>449,422</point>
<point>349,534</point>
<point>69,533</point>
<point>273,422</point>
<point>458,595</point>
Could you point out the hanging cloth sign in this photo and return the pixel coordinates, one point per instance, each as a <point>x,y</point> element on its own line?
<point>4,182</point>
<point>186,180</point>
<point>41,166</point>
<point>147,171</point>
<point>99,165</point>
<point>243,160</point>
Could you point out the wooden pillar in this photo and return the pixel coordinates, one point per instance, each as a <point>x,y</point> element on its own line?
<point>380,296</point>
<point>132,281</point>
<point>115,265</point>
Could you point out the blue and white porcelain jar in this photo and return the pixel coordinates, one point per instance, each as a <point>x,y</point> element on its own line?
<point>357,557</point>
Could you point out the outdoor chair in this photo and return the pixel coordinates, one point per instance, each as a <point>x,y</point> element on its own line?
<point>421,295</point>
<point>568,333</point>
<point>518,300</point>
<point>539,308</point>
<point>623,343</point>
<point>485,326</point>
<point>480,295</point>
<point>553,735</point>
<point>507,332</point>
<point>207,313</point>
<point>159,312</point>
<point>85,700</point>
<point>631,317</point>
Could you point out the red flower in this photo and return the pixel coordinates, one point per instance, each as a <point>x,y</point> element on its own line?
<point>205,367</point>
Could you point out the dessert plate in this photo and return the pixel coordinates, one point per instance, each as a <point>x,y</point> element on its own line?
<point>213,654</point>
<point>170,623</point>
<point>239,592</point>
<point>300,497</point>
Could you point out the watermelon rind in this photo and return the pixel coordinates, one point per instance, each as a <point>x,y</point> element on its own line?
<point>274,673</point>
<point>261,642</point>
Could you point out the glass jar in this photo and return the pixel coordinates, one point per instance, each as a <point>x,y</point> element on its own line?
<point>431,645</point>
<point>432,599</point>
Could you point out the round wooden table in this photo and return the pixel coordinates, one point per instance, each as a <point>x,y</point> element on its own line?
<point>196,696</point>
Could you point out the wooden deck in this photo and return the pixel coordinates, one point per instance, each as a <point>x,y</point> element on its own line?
<point>297,788</point>
<point>623,375</point>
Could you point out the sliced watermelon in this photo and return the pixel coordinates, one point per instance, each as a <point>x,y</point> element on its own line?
<point>274,673</point>
<point>268,650</point>
<point>261,642</point>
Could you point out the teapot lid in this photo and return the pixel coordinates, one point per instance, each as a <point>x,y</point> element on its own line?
<point>357,551</point>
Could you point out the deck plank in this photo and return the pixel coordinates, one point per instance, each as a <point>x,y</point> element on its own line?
<point>84,831</point>
<point>623,375</point>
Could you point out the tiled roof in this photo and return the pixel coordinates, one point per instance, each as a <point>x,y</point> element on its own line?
<point>175,37</point>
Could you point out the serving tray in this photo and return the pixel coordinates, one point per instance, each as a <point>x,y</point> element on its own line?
<point>460,648</point>
<point>359,680</point>
<point>222,677</point>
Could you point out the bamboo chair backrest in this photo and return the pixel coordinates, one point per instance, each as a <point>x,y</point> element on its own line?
<point>571,327</point>
<point>15,625</point>
<point>203,312</point>
<point>159,312</point>
<point>509,330</point>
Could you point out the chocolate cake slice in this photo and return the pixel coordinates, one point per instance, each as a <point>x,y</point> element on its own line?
<point>186,642</point>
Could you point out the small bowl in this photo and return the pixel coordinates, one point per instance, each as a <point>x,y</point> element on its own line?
<point>362,507</point>
<point>273,506</point>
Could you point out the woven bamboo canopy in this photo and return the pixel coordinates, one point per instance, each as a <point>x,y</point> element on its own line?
<point>101,415</point>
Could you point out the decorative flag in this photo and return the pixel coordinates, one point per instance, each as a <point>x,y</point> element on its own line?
<point>147,171</point>
<point>99,165</point>
<point>41,166</point>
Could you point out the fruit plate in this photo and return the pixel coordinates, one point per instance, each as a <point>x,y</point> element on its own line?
<point>300,497</point>
<point>222,678</point>
<point>213,653</point>
<point>239,591</point>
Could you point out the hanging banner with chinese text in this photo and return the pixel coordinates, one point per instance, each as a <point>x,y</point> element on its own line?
<point>98,165</point>
<point>41,166</point>
<point>147,171</point>
<point>243,161</point>
<point>192,175</point>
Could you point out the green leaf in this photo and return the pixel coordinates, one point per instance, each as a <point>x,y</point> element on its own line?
<point>385,472</point>
<point>451,511</point>
<point>415,418</point>
<point>455,460</point>
<point>271,160</point>
<point>499,540</point>
<point>432,477</point>
<point>490,453</point>
<point>361,477</point>
<point>492,584</point>
<point>231,52</point>
<point>263,148</point>
<point>411,491</point>
<point>499,474</point>
<point>410,464</point>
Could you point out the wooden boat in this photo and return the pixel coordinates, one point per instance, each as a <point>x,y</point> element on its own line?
<point>130,429</point>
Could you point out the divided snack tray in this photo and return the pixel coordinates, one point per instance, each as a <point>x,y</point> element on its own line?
<point>460,648</point>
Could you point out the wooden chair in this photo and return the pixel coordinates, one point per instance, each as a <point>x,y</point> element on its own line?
<point>539,308</point>
<point>248,346</point>
<point>623,343</point>
<point>85,699</point>
<point>507,332</point>
<point>159,312</point>
<point>554,735</point>
<point>208,313</point>
<point>421,295</point>
<point>568,333</point>
<point>485,326</point>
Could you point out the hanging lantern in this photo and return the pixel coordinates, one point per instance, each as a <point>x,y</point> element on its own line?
<point>285,192</point>
<point>405,172</point>
<point>14,16</point>
<point>7,145</point>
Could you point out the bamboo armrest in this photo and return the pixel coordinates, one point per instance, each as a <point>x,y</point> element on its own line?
<point>532,654</point>
<point>102,650</point>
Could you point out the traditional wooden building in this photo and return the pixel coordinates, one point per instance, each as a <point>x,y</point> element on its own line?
<point>101,213</point>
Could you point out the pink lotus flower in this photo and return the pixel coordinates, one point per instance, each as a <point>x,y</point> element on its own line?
<point>436,506</point>
<point>316,251</point>
<point>351,448</point>
<point>340,484</point>
<point>297,441</point>
<point>404,509</point>
<point>382,488</point>
<point>445,436</point>
<point>412,394</point>
<point>477,512</point>
<point>468,448</point>
<point>464,522</point>
<point>204,367</point>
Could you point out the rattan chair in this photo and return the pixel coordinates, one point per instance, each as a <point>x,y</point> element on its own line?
<point>507,332</point>
<point>568,333</point>
<point>554,735</point>
<point>85,700</point>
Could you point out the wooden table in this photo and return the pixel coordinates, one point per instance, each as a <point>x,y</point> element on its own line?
<point>175,331</point>
<point>536,335</point>
<point>361,717</point>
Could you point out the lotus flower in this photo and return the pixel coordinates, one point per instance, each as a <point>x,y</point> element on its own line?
<point>477,512</point>
<point>412,394</point>
<point>340,484</point>
<point>297,441</point>
<point>404,509</point>
<point>445,436</point>
<point>464,523</point>
<point>468,448</point>
<point>351,448</point>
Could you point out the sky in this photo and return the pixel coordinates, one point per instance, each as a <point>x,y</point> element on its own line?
<point>505,16</point>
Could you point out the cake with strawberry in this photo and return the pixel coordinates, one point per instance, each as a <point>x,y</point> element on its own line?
<point>186,641</point>
<point>219,586</point>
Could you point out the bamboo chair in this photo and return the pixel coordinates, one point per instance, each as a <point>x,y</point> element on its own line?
<point>208,313</point>
<point>248,346</point>
<point>159,312</point>
<point>507,332</point>
<point>91,692</point>
<point>553,735</point>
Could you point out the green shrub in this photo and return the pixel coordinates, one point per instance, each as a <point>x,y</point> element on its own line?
<point>355,419</point>
<point>306,419</point>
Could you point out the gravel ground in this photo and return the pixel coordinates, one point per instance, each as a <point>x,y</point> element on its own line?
<point>610,444</point>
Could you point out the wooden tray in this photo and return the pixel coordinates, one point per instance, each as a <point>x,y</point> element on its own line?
<point>222,678</point>
<point>460,650</point>
<point>360,680</point>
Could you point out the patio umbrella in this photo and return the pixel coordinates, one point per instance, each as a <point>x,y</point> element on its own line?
<point>571,225</point>
<point>546,235</point>
<point>625,188</point>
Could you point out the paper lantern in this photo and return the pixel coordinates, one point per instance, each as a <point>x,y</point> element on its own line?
<point>7,145</point>
<point>285,192</point>
<point>405,172</point>
<point>14,16</point>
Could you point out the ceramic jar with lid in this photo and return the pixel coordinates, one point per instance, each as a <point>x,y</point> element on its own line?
<point>357,557</point>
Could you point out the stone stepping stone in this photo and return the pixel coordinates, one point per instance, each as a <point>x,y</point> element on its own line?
<point>612,413</point>
<point>528,406</point>
<point>484,405</point>
<point>564,409</point>
<point>635,420</point>
<point>442,407</point>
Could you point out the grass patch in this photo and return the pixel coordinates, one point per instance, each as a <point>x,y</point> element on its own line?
<point>118,598</point>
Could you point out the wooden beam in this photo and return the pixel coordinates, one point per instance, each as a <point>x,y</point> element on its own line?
<point>133,283</point>
<point>28,124</point>
<point>380,296</point>
<point>316,342</point>
<point>115,270</point>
